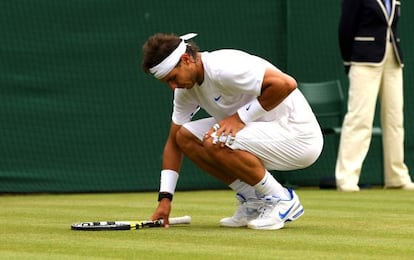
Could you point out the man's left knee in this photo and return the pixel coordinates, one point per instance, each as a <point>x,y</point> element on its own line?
<point>184,138</point>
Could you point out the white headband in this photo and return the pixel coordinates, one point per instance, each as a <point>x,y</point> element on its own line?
<point>164,67</point>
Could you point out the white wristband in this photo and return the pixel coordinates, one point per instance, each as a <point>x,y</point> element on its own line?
<point>251,111</point>
<point>169,180</point>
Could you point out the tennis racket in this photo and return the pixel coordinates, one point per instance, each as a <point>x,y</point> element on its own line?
<point>127,225</point>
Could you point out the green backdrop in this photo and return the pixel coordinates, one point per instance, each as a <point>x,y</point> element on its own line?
<point>77,114</point>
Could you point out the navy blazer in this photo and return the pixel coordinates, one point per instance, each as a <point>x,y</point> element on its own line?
<point>364,29</point>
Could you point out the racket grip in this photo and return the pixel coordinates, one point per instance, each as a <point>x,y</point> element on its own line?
<point>180,220</point>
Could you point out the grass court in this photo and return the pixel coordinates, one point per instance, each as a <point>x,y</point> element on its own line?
<point>370,224</point>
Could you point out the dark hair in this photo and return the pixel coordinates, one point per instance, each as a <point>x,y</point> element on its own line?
<point>159,46</point>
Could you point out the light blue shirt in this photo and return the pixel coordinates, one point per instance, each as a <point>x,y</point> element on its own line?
<point>388,6</point>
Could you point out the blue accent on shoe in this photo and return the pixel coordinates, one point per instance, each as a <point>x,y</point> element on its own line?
<point>283,215</point>
<point>241,196</point>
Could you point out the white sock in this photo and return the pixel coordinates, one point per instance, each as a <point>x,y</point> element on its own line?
<point>244,189</point>
<point>269,186</point>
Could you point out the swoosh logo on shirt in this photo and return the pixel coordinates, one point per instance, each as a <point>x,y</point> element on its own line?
<point>248,107</point>
<point>217,98</point>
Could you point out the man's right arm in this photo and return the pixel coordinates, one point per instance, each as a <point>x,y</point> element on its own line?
<point>348,24</point>
<point>171,164</point>
<point>172,156</point>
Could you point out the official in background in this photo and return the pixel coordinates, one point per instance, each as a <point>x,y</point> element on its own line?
<point>370,48</point>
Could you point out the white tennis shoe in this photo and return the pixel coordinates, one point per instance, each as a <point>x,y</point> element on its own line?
<point>247,211</point>
<point>274,212</point>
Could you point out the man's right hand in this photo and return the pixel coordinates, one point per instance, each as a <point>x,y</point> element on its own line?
<point>163,211</point>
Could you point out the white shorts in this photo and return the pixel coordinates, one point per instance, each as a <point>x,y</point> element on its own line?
<point>278,147</point>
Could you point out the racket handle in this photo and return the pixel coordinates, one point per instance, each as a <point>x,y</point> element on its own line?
<point>180,220</point>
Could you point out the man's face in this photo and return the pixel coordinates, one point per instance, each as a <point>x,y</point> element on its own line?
<point>183,75</point>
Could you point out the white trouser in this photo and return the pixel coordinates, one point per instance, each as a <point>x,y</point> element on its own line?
<point>365,84</point>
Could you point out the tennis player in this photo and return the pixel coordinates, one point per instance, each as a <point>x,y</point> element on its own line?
<point>259,122</point>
